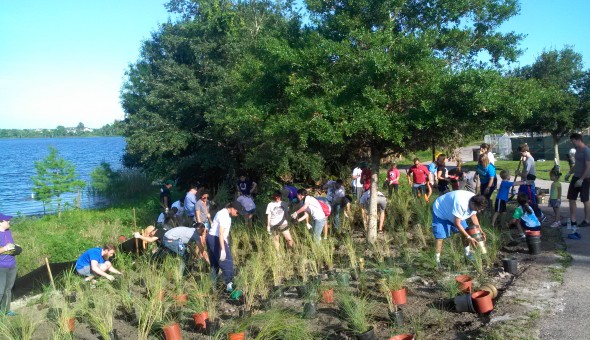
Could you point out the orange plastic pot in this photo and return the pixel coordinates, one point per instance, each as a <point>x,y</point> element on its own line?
<point>465,283</point>
<point>180,299</point>
<point>402,337</point>
<point>482,301</point>
<point>201,320</point>
<point>172,332</point>
<point>399,296</point>
<point>533,232</point>
<point>236,336</point>
<point>71,324</point>
<point>328,296</point>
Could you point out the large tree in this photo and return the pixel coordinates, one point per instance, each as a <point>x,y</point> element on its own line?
<point>560,79</point>
<point>380,75</point>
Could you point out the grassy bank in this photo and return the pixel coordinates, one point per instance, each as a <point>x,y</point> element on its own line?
<point>64,239</point>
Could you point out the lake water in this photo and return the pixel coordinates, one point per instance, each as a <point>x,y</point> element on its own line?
<point>18,158</point>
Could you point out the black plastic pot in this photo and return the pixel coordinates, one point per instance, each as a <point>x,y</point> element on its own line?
<point>534,243</point>
<point>368,335</point>
<point>278,292</point>
<point>343,279</point>
<point>463,303</point>
<point>397,317</point>
<point>212,327</point>
<point>71,297</point>
<point>510,265</point>
<point>309,310</point>
<point>301,291</point>
<point>113,335</point>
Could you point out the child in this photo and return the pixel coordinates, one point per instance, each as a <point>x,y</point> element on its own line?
<point>555,196</point>
<point>392,178</point>
<point>502,197</point>
<point>524,217</point>
<point>277,212</point>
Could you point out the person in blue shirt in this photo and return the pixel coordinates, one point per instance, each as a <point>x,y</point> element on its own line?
<point>524,217</point>
<point>449,213</point>
<point>487,176</point>
<point>95,261</point>
<point>502,196</point>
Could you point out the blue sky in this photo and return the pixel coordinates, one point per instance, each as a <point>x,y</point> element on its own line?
<point>63,61</point>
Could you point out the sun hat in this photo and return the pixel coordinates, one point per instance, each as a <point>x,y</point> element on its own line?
<point>5,217</point>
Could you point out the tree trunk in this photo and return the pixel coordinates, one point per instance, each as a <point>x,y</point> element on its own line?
<point>58,207</point>
<point>556,146</point>
<point>433,147</point>
<point>373,217</point>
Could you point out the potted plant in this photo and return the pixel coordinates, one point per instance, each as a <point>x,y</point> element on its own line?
<point>395,282</point>
<point>357,312</point>
<point>198,309</point>
<point>327,293</point>
<point>310,300</point>
<point>395,314</point>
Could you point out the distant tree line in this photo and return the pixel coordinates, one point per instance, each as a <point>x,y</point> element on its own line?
<point>114,129</point>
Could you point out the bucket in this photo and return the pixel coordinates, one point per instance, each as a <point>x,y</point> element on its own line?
<point>510,265</point>
<point>482,301</point>
<point>474,232</point>
<point>534,243</point>
<point>464,282</point>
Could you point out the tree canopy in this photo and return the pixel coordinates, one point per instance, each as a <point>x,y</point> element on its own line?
<point>235,86</point>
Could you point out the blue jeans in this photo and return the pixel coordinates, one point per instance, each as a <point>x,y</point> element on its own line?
<point>214,251</point>
<point>318,227</point>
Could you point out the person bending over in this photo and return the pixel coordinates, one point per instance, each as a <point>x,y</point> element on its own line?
<point>95,261</point>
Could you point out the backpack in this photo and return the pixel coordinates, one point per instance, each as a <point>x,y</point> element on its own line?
<point>326,208</point>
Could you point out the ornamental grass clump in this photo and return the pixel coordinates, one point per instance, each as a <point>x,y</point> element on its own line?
<point>279,324</point>
<point>18,327</point>
<point>357,312</point>
<point>98,309</point>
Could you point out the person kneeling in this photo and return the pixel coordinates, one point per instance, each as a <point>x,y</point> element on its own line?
<point>95,261</point>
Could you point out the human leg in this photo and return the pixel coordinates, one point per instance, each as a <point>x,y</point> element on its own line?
<point>318,226</point>
<point>7,278</point>
<point>227,266</point>
<point>214,252</point>
<point>288,238</point>
<point>275,240</point>
<point>336,213</point>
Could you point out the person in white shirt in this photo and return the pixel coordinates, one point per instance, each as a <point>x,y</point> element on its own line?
<point>249,207</point>
<point>486,148</point>
<point>357,187</point>
<point>449,213</point>
<point>276,222</point>
<point>313,207</point>
<point>218,246</point>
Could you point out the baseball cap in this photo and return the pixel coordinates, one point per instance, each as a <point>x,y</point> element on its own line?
<point>169,181</point>
<point>5,217</point>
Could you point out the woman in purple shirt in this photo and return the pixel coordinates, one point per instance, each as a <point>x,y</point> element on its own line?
<point>7,265</point>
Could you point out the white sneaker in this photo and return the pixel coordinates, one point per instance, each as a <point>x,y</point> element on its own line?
<point>556,224</point>
<point>230,287</point>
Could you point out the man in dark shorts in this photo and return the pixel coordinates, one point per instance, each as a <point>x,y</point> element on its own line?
<point>580,184</point>
<point>418,175</point>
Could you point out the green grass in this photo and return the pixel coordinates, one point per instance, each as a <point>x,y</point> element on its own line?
<point>542,168</point>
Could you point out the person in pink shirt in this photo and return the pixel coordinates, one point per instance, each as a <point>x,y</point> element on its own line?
<point>393,178</point>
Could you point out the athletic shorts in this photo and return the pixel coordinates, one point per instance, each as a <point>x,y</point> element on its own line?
<point>555,203</point>
<point>280,228</point>
<point>87,271</point>
<point>500,205</point>
<point>583,191</point>
<point>251,211</point>
<point>442,229</point>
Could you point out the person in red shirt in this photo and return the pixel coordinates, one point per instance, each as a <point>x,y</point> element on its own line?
<point>366,176</point>
<point>418,177</point>
<point>393,178</point>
